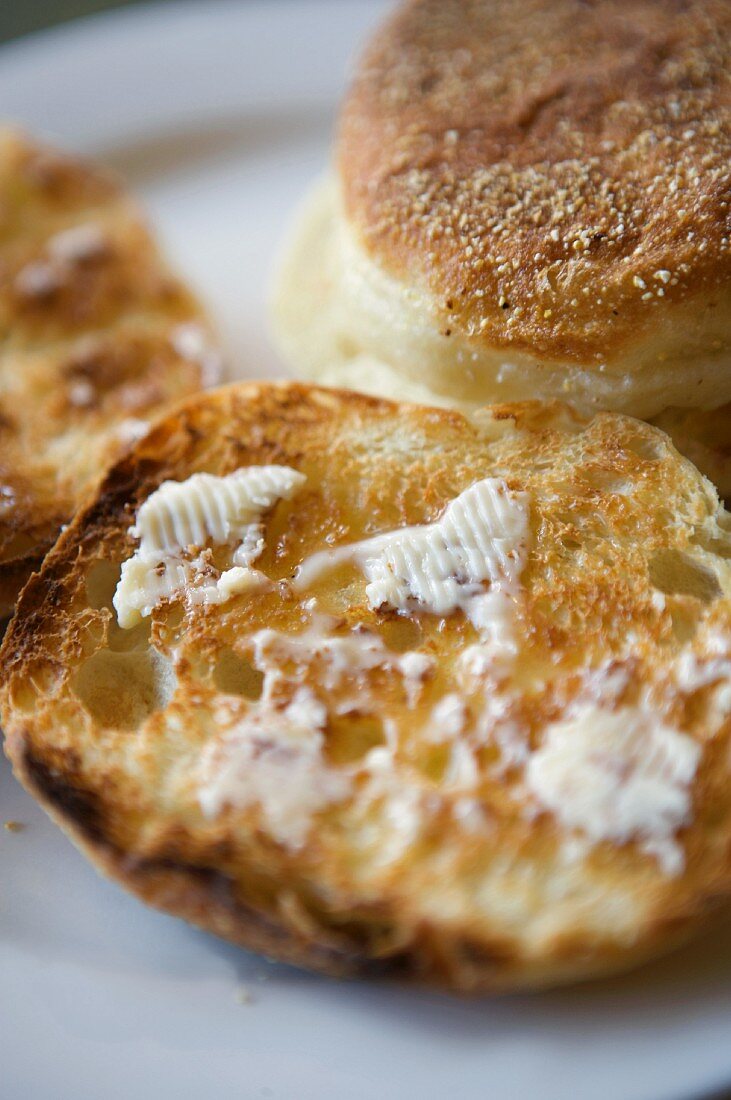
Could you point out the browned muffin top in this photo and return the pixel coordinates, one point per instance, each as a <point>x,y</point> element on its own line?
<point>550,172</point>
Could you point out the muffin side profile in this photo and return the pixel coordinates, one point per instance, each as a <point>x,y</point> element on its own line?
<point>529,200</point>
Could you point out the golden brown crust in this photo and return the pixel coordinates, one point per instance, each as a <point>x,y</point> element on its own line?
<point>91,322</point>
<point>431,956</point>
<point>614,506</point>
<point>555,175</point>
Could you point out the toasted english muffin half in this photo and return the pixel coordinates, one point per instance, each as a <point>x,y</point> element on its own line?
<point>378,690</point>
<point>98,335</point>
<point>529,200</point>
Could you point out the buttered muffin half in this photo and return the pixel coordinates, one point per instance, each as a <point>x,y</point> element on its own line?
<point>380,690</point>
<point>97,336</point>
<point>530,200</point>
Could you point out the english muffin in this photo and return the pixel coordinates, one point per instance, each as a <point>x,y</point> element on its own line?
<point>380,690</point>
<point>97,336</point>
<point>530,200</point>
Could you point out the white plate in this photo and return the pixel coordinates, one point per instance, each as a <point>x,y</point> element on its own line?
<point>219,115</point>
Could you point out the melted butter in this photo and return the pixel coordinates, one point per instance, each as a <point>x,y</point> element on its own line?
<point>182,517</point>
<point>618,776</point>
<point>273,759</point>
<point>342,657</point>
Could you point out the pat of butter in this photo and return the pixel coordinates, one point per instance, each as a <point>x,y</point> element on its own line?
<point>618,776</point>
<point>469,560</point>
<point>439,566</point>
<point>182,517</point>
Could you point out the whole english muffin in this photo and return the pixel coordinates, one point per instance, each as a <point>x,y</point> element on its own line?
<point>97,336</point>
<point>379,690</point>
<point>531,200</point>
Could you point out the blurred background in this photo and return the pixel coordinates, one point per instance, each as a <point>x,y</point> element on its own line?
<point>21,16</point>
